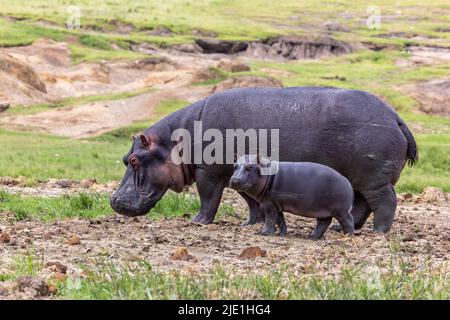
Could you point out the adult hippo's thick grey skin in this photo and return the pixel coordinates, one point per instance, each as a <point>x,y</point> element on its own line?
<point>350,131</point>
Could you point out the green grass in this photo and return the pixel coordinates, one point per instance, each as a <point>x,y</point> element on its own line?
<point>238,19</point>
<point>41,157</point>
<point>433,166</point>
<point>23,265</point>
<point>140,281</point>
<point>91,205</point>
<point>82,205</point>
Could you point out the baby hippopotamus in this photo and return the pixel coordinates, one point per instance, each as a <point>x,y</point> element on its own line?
<point>302,188</point>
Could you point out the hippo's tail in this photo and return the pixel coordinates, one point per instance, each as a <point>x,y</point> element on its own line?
<point>412,155</point>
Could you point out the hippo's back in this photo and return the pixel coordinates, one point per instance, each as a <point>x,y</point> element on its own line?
<point>290,108</point>
<point>349,130</point>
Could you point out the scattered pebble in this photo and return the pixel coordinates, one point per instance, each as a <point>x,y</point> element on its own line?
<point>56,267</point>
<point>252,253</point>
<point>4,237</point>
<point>74,240</point>
<point>182,254</point>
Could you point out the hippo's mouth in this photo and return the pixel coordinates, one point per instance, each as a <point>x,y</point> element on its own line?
<point>131,201</point>
<point>133,206</point>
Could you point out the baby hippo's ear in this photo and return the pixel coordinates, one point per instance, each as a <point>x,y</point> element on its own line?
<point>235,157</point>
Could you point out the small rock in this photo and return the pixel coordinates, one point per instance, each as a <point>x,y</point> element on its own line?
<point>52,289</point>
<point>56,267</point>
<point>159,239</point>
<point>252,253</point>
<point>4,237</point>
<point>74,240</point>
<point>182,254</point>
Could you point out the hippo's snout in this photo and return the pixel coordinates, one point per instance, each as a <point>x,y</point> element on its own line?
<point>131,207</point>
<point>127,201</point>
<point>237,184</point>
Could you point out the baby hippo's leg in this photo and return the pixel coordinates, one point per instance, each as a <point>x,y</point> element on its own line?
<point>281,224</point>
<point>321,227</point>
<point>345,219</point>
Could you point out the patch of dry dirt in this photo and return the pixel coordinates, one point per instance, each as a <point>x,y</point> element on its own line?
<point>425,55</point>
<point>19,82</point>
<point>433,96</point>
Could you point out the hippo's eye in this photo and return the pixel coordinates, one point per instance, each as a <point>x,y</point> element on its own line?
<point>248,168</point>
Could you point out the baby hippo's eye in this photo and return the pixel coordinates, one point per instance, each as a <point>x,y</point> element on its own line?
<point>248,168</point>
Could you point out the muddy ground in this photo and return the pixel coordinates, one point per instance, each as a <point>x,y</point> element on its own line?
<point>421,232</point>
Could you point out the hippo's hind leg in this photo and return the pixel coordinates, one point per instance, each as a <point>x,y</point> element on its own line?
<point>383,202</point>
<point>345,219</point>
<point>360,210</point>
<point>321,226</point>
<point>256,214</point>
<point>210,190</point>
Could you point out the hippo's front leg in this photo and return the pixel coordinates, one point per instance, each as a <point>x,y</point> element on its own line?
<point>210,189</point>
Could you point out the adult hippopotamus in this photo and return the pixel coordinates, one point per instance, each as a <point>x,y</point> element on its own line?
<point>351,131</point>
<point>303,188</point>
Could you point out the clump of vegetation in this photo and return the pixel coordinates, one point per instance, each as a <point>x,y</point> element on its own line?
<point>54,208</point>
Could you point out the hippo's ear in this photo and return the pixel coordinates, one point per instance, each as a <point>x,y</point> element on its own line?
<point>133,137</point>
<point>235,157</point>
<point>146,142</point>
